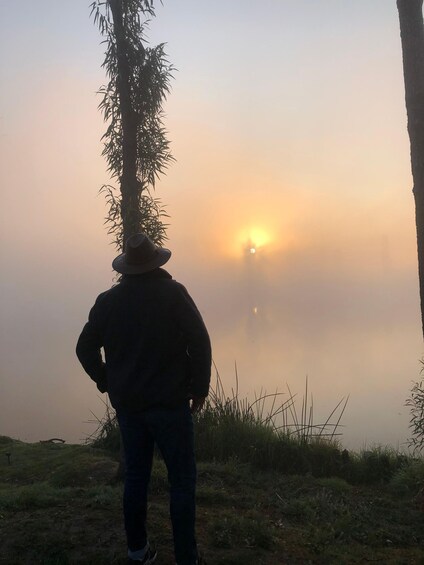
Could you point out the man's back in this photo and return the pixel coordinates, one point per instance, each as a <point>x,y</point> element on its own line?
<point>157,349</point>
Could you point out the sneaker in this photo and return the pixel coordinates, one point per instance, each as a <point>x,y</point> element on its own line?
<point>150,557</point>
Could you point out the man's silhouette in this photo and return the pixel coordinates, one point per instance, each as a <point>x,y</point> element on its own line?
<point>156,370</point>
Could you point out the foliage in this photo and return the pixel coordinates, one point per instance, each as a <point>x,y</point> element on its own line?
<point>271,434</point>
<point>265,433</point>
<point>337,518</point>
<point>409,480</point>
<point>268,412</point>
<point>245,515</point>
<point>251,530</point>
<point>416,424</point>
<point>374,466</point>
<point>106,435</point>
<point>147,73</point>
<point>37,495</point>
<point>60,464</point>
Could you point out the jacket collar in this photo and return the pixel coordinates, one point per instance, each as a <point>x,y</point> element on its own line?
<point>155,274</point>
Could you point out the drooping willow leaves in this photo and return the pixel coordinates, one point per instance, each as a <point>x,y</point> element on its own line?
<point>139,81</point>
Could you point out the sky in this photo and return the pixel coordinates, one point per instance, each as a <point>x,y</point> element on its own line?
<point>288,125</point>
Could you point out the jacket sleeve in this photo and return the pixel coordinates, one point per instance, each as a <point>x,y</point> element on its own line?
<point>198,344</point>
<point>88,350</point>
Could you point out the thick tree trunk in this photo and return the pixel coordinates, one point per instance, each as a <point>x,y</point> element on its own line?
<point>412,37</point>
<point>129,182</point>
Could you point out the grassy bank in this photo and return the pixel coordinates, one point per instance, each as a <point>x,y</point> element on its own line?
<point>59,505</point>
<point>276,433</point>
<point>274,487</point>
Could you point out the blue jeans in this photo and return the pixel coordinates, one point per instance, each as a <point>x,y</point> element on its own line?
<point>172,430</point>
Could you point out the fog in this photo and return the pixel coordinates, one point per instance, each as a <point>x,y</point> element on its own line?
<point>294,145</point>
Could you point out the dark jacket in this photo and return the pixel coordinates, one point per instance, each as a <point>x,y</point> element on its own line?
<point>157,349</point>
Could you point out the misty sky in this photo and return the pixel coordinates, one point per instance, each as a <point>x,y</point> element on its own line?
<point>288,124</point>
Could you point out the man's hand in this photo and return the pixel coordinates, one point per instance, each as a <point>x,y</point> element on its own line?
<point>197,404</point>
<point>101,382</point>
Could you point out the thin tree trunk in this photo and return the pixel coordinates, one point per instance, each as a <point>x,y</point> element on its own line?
<point>129,182</point>
<point>412,38</point>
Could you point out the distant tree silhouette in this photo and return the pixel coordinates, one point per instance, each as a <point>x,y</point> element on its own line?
<point>135,143</point>
<point>412,38</point>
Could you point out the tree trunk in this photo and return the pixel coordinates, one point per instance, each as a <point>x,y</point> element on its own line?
<point>412,38</point>
<point>129,181</point>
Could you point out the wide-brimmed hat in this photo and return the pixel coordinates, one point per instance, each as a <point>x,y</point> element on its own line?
<point>141,255</point>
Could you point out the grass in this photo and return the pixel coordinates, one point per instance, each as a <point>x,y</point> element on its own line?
<point>272,433</point>
<point>409,480</point>
<point>31,463</point>
<point>50,515</point>
<point>273,488</point>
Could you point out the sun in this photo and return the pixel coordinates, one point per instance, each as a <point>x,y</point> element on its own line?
<point>248,239</point>
<point>252,240</point>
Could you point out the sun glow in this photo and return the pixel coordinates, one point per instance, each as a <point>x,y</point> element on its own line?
<point>253,240</point>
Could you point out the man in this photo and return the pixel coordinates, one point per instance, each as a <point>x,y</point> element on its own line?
<point>156,371</point>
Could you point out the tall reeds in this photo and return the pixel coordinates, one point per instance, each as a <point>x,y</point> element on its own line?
<point>269,432</point>
<point>272,432</point>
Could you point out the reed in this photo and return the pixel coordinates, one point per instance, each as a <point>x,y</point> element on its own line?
<point>274,432</point>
